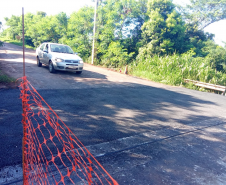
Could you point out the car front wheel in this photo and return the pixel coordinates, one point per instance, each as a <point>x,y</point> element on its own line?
<point>51,68</point>
<point>39,64</point>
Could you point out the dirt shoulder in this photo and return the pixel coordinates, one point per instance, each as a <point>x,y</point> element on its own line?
<point>6,82</point>
<point>7,76</point>
<point>11,85</point>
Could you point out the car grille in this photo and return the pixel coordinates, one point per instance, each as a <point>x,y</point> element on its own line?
<point>60,67</point>
<point>71,68</point>
<point>71,61</point>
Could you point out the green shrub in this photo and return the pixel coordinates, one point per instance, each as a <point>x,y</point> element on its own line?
<point>5,79</point>
<point>116,56</point>
<point>19,43</point>
<point>174,69</point>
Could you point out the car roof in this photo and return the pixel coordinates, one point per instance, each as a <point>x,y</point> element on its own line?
<point>54,43</point>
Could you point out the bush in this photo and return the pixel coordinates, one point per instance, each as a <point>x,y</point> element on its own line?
<point>5,78</point>
<point>174,69</point>
<point>1,43</point>
<point>116,56</point>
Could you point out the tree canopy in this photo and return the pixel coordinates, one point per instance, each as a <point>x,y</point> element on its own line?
<point>128,30</point>
<point>164,32</point>
<point>202,13</point>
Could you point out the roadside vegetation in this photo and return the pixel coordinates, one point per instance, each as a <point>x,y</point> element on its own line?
<point>157,39</point>
<point>16,42</point>
<point>173,69</point>
<point>4,79</point>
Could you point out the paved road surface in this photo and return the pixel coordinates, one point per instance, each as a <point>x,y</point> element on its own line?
<point>142,132</point>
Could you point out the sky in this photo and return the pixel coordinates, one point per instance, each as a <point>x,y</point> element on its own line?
<point>52,7</point>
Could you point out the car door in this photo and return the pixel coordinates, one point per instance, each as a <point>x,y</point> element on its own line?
<point>40,52</point>
<point>45,54</point>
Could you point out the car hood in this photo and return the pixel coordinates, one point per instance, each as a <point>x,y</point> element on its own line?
<point>65,56</point>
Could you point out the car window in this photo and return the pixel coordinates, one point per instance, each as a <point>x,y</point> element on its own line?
<point>69,50</point>
<point>42,47</point>
<point>47,47</point>
<point>61,49</point>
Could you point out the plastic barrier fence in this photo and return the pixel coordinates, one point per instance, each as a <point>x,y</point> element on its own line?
<point>52,154</point>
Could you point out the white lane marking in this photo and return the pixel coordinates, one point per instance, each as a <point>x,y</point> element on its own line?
<point>11,173</point>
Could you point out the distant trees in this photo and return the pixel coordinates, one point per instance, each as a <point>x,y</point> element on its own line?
<point>128,30</point>
<point>14,26</point>
<point>42,14</point>
<point>164,32</point>
<point>1,43</point>
<point>119,31</point>
<point>216,55</point>
<point>202,13</point>
<point>79,32</point>
<point>198,14</point>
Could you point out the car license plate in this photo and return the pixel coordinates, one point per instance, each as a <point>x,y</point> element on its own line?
<point>73,67</point>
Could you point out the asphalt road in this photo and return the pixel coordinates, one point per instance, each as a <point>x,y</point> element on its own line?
<point>141,132</point>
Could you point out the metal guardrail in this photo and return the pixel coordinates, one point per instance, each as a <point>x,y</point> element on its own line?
<point>208,86</point>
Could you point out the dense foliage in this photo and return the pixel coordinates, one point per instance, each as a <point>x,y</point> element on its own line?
<point>175,68</point>
<point>202,13</point>
<point>155,37</point>
<point>164,32</point>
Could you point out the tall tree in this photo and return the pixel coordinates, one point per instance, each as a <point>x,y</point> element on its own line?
<point>62,20</point>
<point>216,55</point>
<point>41,13</point>
<point>80,31</point>
<point>14,26</point>
<point>202,13</point>
<point>1,43</point>
<point>62,26</point>
<point>164,32</point>
<point>44,29</point>
<point>119,24</point>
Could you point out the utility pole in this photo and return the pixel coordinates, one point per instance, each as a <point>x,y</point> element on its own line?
<point>24,159</point>
<point>94,30</point>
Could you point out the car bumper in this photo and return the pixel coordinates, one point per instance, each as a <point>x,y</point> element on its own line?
<point>68,67</point>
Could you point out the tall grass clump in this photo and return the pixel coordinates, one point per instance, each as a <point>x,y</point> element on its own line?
<point>5,78</point>
<point>16,42</point>
<point>174,69</point>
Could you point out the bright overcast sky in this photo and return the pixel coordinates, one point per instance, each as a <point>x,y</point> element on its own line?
<point>52,7</point>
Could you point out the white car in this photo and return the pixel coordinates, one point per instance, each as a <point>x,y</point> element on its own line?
<point>58,57</point>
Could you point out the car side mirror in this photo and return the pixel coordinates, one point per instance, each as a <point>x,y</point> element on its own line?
<point>45,50</point>
<point>76,53</point>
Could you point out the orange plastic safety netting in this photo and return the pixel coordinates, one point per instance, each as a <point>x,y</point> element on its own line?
<point>52,154</point>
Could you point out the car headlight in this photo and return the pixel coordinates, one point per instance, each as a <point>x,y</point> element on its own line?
<point>59,60</point>
<point>80,62</point>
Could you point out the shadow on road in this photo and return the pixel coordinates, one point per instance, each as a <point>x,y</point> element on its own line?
<point>194,158</point>
<point>85,74</point>
<point>112,113</point>
<point>112,110</point>
<point>97,115</point>
<point>103,114</point>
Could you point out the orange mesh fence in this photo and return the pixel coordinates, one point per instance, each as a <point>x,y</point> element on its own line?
<point>52,154</point>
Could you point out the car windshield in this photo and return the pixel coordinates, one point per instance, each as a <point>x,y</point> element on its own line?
<point>61,49</point>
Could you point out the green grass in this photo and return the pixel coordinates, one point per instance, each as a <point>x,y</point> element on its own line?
<point>6,79</point>
<point>19,43</point>
<point>3,77</point>
<point>174,69</point>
